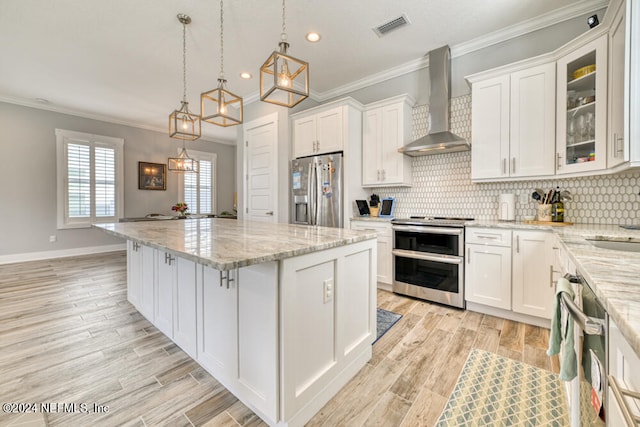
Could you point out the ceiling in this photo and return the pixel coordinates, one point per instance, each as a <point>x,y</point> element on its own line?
<point>121,60</point>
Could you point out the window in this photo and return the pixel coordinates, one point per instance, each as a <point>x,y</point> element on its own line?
<point>89,179</point>
<point>198,189</point>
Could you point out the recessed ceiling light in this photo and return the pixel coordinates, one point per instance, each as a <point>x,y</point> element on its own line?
<point>312,37</point>
<point>246,75</point>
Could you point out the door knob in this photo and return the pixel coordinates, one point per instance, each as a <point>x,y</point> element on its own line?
<point>270,213</point>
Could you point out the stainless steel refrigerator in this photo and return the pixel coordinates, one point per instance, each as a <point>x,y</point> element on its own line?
<point>316,190</point>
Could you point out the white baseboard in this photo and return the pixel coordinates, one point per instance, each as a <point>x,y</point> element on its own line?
<point>38,256</point>
<point>385,286</point>
<point>510,315</point>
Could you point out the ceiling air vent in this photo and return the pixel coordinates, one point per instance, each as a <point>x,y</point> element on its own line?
<point>394,24</point>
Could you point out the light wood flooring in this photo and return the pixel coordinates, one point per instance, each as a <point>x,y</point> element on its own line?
<point>68,335</point>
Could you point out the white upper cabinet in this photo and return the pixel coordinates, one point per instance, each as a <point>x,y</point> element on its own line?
<point>582,108</point>
<point>386,127</point>
<point>318,133</point>
<point>618,134</point>
<point>513,124</point>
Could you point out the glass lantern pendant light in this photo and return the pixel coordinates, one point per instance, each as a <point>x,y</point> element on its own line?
<point>219,106</point>
<point>284,80</point>
<point>182,123</point>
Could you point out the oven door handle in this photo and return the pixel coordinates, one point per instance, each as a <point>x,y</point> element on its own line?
<point>589,325</point>
<point>446,259</point>
<point>429,229</point>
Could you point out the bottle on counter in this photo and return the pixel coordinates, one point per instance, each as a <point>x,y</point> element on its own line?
<point>557,207</point>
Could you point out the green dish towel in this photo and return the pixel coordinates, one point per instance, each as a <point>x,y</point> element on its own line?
<point>560,332</point>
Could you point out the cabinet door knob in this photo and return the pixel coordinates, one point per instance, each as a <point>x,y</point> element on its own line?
<point>513,165</point>
<point>504,166</point>
<point>558,161</point>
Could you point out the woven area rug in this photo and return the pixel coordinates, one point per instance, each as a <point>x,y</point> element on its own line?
<point>496,391</point>
<point>384,321</point>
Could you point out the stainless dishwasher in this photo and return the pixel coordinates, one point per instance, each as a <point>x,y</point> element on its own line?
<point>587,392</point>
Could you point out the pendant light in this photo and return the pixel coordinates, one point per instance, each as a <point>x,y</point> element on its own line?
<point>183,163</point>
<point>182,123</point>
<point>284,80</point>
<point>219,106</point>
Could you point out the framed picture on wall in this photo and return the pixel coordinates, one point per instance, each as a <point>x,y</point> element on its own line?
<point>152,176</point>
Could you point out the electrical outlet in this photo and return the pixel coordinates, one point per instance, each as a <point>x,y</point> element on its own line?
<point>53,238</point>
<point>327,290</point>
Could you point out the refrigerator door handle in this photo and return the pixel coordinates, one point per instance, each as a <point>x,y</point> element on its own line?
<point>312,197</point>
<point>318,191</point>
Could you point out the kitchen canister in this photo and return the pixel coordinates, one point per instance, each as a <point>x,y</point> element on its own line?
<point>544,212</point>
<point>507,207</point>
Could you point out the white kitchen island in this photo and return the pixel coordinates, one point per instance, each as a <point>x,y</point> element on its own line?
<point>282,315</point>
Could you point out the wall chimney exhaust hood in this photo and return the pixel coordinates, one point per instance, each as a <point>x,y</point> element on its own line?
<point>440,139</point>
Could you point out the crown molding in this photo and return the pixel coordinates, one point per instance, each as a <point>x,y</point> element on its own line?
<point>103,118</point>
<point>529,26</point>
<point>388,74</point>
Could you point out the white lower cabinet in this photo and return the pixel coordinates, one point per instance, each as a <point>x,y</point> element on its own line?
<point>237,312</point>
<point>511,273</point>
<point>385,246</point>
<point>533,273</point>
<point>488,270</point>
<point>623,369</point>
<point>140,276</point>
<point>147,295</point>
<point>134,272</point>
<point>165,289</point>
<point>184,307</point>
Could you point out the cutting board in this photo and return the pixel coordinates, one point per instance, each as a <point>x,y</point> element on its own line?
<point>551,223</point>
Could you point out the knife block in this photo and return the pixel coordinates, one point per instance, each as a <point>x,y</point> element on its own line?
<point>374,211</point>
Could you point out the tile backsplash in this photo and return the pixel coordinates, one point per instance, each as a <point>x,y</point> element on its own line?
<point>442,185</point>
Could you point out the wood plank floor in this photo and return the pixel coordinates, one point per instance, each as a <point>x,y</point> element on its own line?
<point>68,335</point>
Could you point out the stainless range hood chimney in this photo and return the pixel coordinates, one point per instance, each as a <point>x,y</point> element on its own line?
<point>440,139</point>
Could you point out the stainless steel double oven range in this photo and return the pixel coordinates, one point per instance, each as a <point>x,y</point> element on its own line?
<point>428,258</point>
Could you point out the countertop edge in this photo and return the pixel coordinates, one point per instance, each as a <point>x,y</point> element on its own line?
<point>231,265</point>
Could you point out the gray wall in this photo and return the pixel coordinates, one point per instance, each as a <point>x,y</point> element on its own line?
<point>28,177</point>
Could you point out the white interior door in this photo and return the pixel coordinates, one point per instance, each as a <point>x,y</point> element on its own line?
<point>261,169</point>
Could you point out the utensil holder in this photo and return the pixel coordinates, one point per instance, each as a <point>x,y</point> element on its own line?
<point>544,212</point>
<point>376,211</point>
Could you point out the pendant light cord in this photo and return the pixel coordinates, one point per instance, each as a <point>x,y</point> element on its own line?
<point>184,62</point>
<point>284,27</point>
<point>221,40</point>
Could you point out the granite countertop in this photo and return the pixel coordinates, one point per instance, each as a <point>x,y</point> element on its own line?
<point>613,275</point>
<point>370,218</point>
<point>226,245</point>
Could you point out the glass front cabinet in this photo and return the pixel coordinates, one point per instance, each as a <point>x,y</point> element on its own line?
<point>581,139</point>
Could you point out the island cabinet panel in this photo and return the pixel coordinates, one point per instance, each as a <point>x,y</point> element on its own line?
<point>184,306</point>
<point>355,298</point>
<point>258,337</point>
<point>165,289</point>
<point>327,306</point>
<point>134,272</point>
<point>237,332</point>
<point>217,314</point>
<point>146,306</point>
